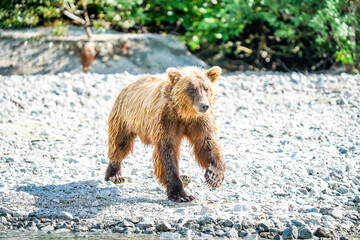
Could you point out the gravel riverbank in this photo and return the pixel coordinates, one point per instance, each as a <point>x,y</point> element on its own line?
<point>291,144</point>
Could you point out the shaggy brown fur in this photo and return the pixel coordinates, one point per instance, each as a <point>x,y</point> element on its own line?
<point>162,112</point>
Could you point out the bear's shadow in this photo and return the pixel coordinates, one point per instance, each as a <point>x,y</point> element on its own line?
<point>83,199</point>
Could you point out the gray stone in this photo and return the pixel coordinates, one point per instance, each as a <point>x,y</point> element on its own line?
<point>342,150</point>
<point>310,210</point>
<point>205,220</point>
<point>342,190</point>
<point>127,223</point>
<point>298,224</point>
<point>163,227</point>
<point>337,213</point>
<point>237,226</point>
<point>243,234</point>
<point>149,230</point>
<point>208,229</point>
<point>305,233</point>
<point>322,232</point>
<point>65,215</point>
<point>170,235</point>
<point>145,225</point>
<point>290,233</point>
<point>232,233</point>
<point>246,224</point>
<point>220,233</point>
<point>261,227</point>
<point>228,223</point>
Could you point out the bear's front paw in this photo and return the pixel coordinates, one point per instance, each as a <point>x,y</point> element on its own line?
<point>117,179</point>
<point>180,197</point>
<point>214,176</point>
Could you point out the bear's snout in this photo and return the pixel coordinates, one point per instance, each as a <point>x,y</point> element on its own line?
<point>204,107</point>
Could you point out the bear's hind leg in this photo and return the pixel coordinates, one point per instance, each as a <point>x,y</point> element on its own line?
<point>166,163</point>
<point>119,147</point>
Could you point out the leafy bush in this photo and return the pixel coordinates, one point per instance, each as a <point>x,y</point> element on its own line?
<point>271,33</point>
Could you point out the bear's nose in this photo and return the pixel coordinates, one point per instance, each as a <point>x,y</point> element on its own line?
<point>204,107</point>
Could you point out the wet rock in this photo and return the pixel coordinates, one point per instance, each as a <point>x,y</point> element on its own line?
<point>261,227</point>
<point>145,225</point>
<point>237,226</point>
<point>149,230</point>
<point>220,233</point>
<point>228,223</point>
<point>290,233</point>
<point>247,224</point>
<point>205,220</point>
<point>322,232</point>
<point>163,227</point>
<point>298,224</point>
<point>305,233</point>
<point>342,150</point>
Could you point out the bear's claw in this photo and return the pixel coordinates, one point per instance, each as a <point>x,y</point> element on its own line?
<point>117,179</point>
<point>181,198</point>
<point>213,176</point>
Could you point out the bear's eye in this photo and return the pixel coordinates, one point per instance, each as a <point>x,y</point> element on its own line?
<point>206,89</point>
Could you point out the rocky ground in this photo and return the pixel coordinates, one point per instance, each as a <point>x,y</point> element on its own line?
<point>291,144</point>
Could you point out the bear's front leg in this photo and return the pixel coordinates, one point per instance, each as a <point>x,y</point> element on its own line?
<point>209,155</point>
<point>166,164</point>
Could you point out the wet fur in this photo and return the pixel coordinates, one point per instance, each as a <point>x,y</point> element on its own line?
<point>162,112</point>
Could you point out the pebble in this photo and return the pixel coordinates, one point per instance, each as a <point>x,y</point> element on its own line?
<point>232,234</point>
<point>228,223</point>
<point>163,227</point>
<point>305,233</point>
<point>261,227</point>
<point>290,233</point>
<point>145,225</point>
<point>322,232</point>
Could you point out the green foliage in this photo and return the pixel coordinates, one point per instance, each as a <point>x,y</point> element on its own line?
<point>268,30</point>
<point>60,28</point>
<point>22,13</point>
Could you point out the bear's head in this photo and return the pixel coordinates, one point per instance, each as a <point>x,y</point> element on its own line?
<point>192,92</point>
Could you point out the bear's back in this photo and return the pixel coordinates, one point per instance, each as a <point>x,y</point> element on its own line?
<point>141,103</point>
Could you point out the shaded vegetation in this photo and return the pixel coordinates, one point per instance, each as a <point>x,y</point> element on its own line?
<point>272,34</point>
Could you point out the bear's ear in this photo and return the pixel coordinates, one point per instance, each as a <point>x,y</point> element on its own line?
<point>213,73</point>
<point>173,74</point>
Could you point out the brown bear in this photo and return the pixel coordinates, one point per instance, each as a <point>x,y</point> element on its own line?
<point>162,112</point>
